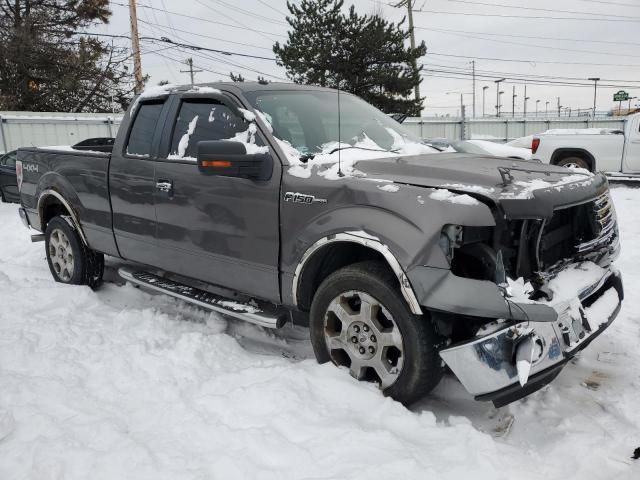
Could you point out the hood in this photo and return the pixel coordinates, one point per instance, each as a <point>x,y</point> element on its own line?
<point>528,189</point>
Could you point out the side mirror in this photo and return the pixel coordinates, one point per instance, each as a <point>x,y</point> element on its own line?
<point>230,159</point>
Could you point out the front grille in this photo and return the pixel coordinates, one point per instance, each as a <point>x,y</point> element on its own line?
<point>583,231</point>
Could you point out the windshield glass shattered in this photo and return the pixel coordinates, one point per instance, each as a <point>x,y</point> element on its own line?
<point>308,122</point>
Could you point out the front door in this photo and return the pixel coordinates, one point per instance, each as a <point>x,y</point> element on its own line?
<point>221,230</point>
<point>632,148</point>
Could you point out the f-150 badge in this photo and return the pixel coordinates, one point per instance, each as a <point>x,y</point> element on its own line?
<point>296,197</point>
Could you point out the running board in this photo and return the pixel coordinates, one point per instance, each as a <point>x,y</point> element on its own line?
<point>622,177</point>
<point>243,311</point>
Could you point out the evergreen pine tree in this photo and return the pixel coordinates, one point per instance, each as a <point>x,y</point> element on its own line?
<point>362,54</point>
<point>46,66</point>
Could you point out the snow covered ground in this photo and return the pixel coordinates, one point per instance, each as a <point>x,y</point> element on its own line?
<point>120,384</point>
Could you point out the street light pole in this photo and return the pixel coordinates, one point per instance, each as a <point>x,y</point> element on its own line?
<point>498,82</point>
<point>484,91</point>
<point>537,102</point>
<point>525,101</point>
<point>546,109</point>
<point>630,98</point>
<point>513,102</point>
<point>595,93</point>
<point>559,107</point>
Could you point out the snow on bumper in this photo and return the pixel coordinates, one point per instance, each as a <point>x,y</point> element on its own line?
<point>488,367</point>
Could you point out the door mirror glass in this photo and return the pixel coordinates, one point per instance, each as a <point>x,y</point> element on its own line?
<point>230,159</point>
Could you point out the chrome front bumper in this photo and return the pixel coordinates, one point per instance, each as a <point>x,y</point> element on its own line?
<point>486,365</point>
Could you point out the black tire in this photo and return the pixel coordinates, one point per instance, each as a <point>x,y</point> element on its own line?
<point>2,200</point>
<point>422,368</point>
<point>577,161</point>
<point>87,265</point>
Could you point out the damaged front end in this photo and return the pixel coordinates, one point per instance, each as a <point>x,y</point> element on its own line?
<point>521,298</point>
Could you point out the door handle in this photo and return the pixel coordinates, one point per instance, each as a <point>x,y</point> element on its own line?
<point>164,185</point>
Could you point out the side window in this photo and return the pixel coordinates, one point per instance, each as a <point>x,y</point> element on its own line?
<point>9,160</point>
<point>144,126</point>
<point>200,120</point>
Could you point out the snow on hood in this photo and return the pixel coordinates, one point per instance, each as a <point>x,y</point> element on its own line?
<point>326,164</point>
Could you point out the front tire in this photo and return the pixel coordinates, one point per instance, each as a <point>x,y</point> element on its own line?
<point>70,260</point>
<point>360,320</point>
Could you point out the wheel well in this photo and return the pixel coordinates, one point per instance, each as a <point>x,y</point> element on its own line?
<point>566,153</point>
<point>327,260</point>
<point>51,207</point>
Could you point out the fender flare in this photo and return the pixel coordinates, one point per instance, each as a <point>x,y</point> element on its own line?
<point>368,241</point>
<point>74,218</point>
<point>560,152</point>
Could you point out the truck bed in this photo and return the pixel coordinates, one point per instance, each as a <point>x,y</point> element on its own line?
<point>81,177</point>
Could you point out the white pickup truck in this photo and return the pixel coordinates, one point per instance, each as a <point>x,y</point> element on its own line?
<point>615,152</point>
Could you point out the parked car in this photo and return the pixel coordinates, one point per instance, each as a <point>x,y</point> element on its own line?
<point>614,152</point>
<point>8,179</point>
<point>97,144</point>
<point>253,201</point>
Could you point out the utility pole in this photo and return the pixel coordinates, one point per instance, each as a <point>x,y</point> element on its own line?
<point>595,93</point>
<point>473,66</point>
<point>484,91</point>
<point>513,102</point>
<point>559,107</point>
<point>135,46</point>
<point>525,100</point>
<point>191,71</point>
<point>498,82</point>
<point>412,36</point>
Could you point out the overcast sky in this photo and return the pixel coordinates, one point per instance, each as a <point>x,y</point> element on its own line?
<point>606,36</point>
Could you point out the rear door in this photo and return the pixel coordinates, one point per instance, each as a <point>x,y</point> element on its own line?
<point>221,230</point>
<point>132,183</point>
<point>631,161</point>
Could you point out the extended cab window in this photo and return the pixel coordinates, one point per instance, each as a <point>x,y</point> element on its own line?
<point>144,126</point>
<point>201,120</point>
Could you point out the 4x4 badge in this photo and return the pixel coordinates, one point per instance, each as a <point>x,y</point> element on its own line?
<point>296,197</point>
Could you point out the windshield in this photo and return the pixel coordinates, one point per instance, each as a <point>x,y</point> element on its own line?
<point>308,121</point>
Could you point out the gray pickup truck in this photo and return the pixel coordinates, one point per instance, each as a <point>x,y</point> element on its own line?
<point>284,203</point>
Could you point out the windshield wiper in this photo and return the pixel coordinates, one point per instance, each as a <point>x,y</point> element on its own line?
<point>310,156</point>
<point>363,148</point>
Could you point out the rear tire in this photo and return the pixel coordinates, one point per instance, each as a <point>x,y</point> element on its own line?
<point>392,347</point>
<point>70,260</point>
<point>574,162</point>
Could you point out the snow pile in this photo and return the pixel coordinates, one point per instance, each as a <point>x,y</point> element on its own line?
<point>502,150</point>
<point>583,131</point>
<point>69,148</point>
<point>469,188</point>
<point>448,196</point>
<point>154,91</point>
<point>120,384</point>
<point>389,188</point>
<point>528,187</point>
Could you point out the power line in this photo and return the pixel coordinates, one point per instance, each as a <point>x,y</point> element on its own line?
<point>580,40</point>
<point>192,17</point>
<point>518,7</point>
<point>540,46</point>
<point>531,61</point>
<point>264,35</point>
<point>248,13</point>
<point>162,27</point>
<point>611,3</point>
<point>528,17</point>
<point>272,7</point>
